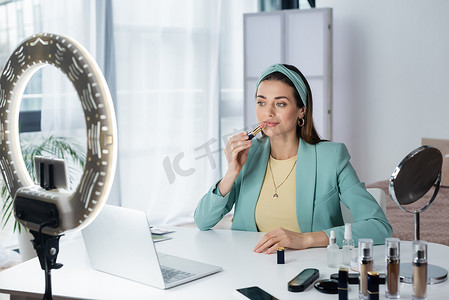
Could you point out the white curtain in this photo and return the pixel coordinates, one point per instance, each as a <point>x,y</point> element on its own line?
<point>168,91</point>
<point>89,23</point>
<point>168,68</point>
<point>62,113</point>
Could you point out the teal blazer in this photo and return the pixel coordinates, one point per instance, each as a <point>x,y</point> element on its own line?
<point>324,177</point>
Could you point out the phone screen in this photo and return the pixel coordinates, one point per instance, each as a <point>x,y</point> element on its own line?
<point>256,293</point>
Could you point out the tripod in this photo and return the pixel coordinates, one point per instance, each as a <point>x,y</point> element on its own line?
<point>47,248</point>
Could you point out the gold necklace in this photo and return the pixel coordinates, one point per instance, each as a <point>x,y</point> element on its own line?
<point>275,195</point>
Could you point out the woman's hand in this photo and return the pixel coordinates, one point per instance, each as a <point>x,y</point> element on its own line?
<point>281,237</point>
<point>236,152</point>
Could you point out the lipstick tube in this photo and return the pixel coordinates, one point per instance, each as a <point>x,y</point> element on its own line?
<point>252,134</point>
<point>343,284</point>
<point>373,285</point>
<point>281,255</point>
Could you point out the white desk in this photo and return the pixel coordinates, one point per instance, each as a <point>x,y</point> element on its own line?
<point>230,249</point>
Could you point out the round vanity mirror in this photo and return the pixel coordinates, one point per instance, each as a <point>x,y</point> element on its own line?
<point>414,177</point>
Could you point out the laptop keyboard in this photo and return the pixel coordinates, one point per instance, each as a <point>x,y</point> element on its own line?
<point>171,275</point>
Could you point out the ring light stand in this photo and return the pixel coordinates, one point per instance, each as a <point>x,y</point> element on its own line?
<point>48,213</point>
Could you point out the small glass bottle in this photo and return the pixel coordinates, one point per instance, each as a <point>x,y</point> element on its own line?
<point>419,263</point>
<point>332,251</point>
<point>348,246</point>
<point>392,260</point>
<point>365,265</point>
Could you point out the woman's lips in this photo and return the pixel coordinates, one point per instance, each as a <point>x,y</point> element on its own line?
<point>271,124</point>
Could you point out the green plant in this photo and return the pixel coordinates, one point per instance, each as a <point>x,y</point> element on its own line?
<point>68,148</point>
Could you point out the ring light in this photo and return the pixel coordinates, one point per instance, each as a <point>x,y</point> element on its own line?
<point>32,204</point>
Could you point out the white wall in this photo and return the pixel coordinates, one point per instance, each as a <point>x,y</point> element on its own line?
<point>390,79</point>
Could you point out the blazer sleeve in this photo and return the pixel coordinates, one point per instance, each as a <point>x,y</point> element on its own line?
<point>369,218</point>
<point>213,206</point>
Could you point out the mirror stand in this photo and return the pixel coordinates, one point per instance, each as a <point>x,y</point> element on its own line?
<point>435,274</point>
<point>417,173</point>
<point>416,217</point>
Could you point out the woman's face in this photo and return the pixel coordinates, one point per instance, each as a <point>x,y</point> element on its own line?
<point>277,110</point>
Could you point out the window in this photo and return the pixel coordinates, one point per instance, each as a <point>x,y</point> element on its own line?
<point>179,74</point>
<point>18,20</point>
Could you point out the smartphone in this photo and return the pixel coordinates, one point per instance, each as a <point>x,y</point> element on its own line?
<point>303,280</point>
<point>51,172</point>
<point>255,293</point>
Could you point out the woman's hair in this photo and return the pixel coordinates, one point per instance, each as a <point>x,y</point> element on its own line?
<point>308,132</point>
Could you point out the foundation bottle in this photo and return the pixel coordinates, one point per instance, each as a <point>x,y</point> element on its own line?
<point>419,279</point>
<point>392,260</point>
<point>365,265</point>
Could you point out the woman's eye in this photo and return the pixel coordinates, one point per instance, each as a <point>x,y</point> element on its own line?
<point>280,104</point>
<point>260,103</point>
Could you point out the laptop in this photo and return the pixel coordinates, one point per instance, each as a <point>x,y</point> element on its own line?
<point>119,242</point>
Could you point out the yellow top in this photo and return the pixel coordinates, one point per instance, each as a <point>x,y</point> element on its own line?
<point>271,212</point>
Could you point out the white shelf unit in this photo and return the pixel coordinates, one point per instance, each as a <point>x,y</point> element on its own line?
<point>302,38</point>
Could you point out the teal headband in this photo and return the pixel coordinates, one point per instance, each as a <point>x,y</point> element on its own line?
<point>292,75</point>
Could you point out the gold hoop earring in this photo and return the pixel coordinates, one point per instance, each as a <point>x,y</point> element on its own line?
<point>301,122</point>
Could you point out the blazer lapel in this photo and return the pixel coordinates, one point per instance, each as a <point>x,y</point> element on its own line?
<point>252,183</point>
<point>305,185</point>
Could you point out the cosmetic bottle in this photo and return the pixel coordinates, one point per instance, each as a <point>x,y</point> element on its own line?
<point>373,285</point>
<point>332,251</point>
<point>348,246</point>
<point>419,279</point>
<point>392,260</point>
<point>365,265</point>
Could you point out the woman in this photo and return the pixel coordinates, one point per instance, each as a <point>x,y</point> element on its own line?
<point>290,182</point>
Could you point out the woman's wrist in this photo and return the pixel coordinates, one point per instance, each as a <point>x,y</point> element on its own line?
<point>231,174</point>
<point>226,183</point>
<point>316,239</point>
